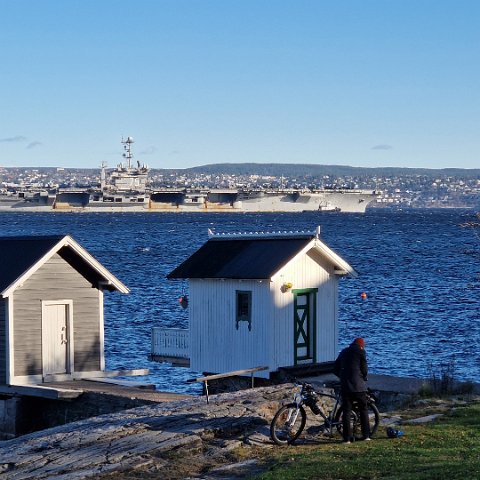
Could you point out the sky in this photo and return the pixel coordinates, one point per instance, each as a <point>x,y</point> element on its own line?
<point>370,83</point>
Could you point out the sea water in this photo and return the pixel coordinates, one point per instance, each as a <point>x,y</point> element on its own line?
<point>419,270</point>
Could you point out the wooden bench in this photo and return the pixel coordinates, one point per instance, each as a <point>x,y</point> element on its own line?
<point>235,373</point>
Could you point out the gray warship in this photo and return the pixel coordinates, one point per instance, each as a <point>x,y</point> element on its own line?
<point>127,189</point>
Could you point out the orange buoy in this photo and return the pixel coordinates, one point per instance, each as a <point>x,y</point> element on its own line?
<point>363,295</point>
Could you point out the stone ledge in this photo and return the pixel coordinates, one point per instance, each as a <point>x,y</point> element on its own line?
<point>107,443</point>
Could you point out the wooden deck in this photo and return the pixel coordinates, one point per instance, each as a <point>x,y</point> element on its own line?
<point>69,390</point>
<point>40,391</point>
<point>142,392</point>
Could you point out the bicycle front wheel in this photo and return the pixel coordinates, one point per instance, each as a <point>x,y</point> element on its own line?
<point>287,424</point>
<point>374,420</point>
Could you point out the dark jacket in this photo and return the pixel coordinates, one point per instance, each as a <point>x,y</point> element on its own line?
<point>351,367</point>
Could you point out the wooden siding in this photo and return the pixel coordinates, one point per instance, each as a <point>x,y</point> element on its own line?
<point>56,280</point>
<point>3,342</point>
<point>217,346</point>
<point>307,271</point>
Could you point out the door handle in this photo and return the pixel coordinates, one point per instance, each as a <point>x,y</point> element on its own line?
<point>63,336</point>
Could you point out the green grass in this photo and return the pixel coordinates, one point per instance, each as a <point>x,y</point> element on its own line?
<point>448,448</point>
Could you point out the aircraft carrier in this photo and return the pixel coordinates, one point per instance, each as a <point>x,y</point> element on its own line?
<point>127,189</point>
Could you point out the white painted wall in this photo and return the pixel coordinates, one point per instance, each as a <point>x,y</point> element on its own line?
<point>307,271</point>
<point>217,346</point>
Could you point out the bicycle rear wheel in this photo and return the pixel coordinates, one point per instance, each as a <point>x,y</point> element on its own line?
<point>374,420</point>
<point>287,424</point>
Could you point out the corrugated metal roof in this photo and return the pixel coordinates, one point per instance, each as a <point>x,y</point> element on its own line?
<point>248,258</point>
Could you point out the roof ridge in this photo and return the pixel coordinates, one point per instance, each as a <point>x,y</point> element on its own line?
<point>264,234</point>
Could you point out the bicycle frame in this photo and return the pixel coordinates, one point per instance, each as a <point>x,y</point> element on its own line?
<point>290,420</point>
<point>329,419</point>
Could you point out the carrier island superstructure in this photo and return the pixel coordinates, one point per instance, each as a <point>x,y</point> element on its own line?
<point>126,188</point>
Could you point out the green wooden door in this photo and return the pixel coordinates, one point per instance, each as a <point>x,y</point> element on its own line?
<point>305,314</point>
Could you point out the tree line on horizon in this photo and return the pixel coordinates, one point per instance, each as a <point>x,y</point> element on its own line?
<point>290,169</point>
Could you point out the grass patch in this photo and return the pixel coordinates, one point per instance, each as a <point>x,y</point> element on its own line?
<point>448,448</point>
<point>442,381</point>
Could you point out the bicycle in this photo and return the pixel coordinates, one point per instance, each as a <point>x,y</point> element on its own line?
<point>289,421</point>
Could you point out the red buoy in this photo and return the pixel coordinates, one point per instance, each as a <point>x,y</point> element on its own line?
<point>183,300</point>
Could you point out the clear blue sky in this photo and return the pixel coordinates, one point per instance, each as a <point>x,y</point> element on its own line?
<point>354,82</point>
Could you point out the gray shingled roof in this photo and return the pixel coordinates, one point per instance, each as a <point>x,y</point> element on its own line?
<point>248,258</point>
<point>19,254</point>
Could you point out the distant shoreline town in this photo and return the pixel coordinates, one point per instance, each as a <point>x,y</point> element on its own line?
<point>394,187</point>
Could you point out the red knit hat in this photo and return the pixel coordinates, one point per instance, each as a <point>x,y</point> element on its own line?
<point>360,342</point>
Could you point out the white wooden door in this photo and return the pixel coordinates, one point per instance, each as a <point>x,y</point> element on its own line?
<point>55,339</point>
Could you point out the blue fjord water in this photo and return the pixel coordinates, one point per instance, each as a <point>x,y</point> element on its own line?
<point>419,269</point>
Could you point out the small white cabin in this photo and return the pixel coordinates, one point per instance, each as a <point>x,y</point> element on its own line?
<point>51,310</point>
<point>262,300</point>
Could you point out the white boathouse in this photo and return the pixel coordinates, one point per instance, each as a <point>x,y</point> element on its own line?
<point>258,299</point>
<point>51,310</point>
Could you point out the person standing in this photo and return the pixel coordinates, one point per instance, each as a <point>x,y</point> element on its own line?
<point>352,369</point>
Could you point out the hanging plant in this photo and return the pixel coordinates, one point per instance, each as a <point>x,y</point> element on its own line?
<point>286,286</point>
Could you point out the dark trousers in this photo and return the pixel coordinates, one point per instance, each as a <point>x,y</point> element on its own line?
<point>360,398</point>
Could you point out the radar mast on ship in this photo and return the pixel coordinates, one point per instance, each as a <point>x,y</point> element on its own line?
<point>127,146</point>
<point>126,178</point>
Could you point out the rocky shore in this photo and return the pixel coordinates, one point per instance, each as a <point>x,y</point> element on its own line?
<point>178,439</point>
<point>125,440</point>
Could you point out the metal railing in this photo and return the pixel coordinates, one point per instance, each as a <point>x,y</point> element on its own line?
<point>235,373</point>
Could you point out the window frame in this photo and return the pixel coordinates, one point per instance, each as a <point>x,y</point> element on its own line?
<point>247,317</point>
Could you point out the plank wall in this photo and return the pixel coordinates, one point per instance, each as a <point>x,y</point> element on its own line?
<point>3,340</point>
<point>56,280</point>
<point>308,271</point>
<point>217,346</point>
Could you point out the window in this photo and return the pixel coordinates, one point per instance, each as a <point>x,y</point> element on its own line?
<point>244,307</point>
